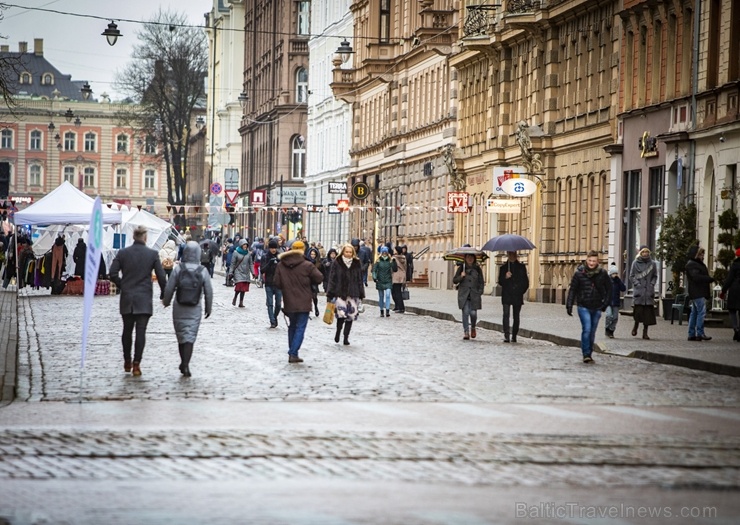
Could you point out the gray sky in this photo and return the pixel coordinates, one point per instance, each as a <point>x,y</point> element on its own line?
<point>74,45</point>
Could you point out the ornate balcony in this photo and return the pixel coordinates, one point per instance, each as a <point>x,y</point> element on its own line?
<point>480,20</point>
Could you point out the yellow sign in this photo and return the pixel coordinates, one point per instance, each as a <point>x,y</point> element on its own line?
<point>360,190</point>
<point>504,206</point>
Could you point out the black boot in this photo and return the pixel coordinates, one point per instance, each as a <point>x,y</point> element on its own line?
<point>340,323</point>
<point>382,313</point>
<point>347,330</point>
<point>182,358</point>
<point>736,337</point>
<point>187,353</point>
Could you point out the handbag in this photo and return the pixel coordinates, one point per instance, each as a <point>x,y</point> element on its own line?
<point>405,295</point>
<point>168,264</point>
<point>329,312</point>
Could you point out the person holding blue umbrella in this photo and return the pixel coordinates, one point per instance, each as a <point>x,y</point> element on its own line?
<point>514,282</point>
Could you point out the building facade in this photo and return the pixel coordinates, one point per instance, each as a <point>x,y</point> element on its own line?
<point>274,125</point>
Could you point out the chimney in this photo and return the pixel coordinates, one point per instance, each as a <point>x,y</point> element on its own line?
<point>5,48</point>
<point>22,47</point>
<point>38,47</point>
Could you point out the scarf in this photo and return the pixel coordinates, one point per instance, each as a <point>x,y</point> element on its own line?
<point>643,267</point>
<point>241,251</point>
<point>590,272</point>
<point>347,261</point>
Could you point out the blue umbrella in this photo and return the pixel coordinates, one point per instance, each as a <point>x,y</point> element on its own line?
<point>508,242</point>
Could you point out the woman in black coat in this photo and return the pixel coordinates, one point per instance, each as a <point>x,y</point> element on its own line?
<point>78,256</point>
<point>346,288</point>
<point>514,282</point>
<point>731,288</point>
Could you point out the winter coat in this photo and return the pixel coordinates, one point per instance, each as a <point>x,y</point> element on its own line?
<point>294,276</point>
<point>241,266</point>
<point>698,279</point>
<point>383,273</point>
<point>366,257</point>
<point>345,282</point>
<point>136,264</point>
<point>513,288</point>
<point>399,269</point>
<point>470,286</point>
<point>731,286</point>
<point>409,266</point>
<point>643,276</point>
<point>268,265</point>
<point>169,251</point>
<point>187,318</point>
<point>590,291</point>
<point>617,287</point>
<point>78,256</point>
<point>326,263</point>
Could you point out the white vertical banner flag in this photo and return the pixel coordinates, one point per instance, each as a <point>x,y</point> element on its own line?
<point>92,263</point>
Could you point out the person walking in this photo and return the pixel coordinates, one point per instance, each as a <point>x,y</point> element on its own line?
<point>731,291</point>
<point>399,280</point>
<point>314,257</point>
<point>383,278</point>
<point>470,282</point>
<point>643,276</point>
<point>189,282</point>
<point>591,290</point>
<point>294,276</point>
<point>409,263</point>
<point>346,289</point>
<point>612,311</point>
<point>167,256</point>
<point>699,290</point>
<point>274,296</point>
<point>326,263</point>
<point>131,272</point>
<point>240,271</point>
<point>514,282</point>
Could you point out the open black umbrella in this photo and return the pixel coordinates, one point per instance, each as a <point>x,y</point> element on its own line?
<point>509,242</point>
<point>458,254</point>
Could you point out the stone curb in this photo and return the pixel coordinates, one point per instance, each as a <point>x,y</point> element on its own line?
<point>8,344</point>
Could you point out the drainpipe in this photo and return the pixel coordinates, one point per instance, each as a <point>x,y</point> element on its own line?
<point>694,90</point>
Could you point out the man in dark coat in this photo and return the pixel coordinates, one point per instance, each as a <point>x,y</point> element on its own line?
<point>366,259</point>
<point>294,276</point>
<point>699,281</point>
<point>274,296</point>
<point>514,282</point>
<point>731,290</point>
<point>136,263</point>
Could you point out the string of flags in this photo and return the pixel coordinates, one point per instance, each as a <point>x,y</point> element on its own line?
<point>205,209</point>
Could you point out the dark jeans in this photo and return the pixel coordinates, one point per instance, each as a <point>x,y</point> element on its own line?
<point>274,303</point>
<point>397,293</point>
<point>589,325</point>
<point>296,331</point>
<point>516,308</point>
<point>129,321</point>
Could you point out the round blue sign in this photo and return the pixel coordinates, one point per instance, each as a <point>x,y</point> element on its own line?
<point>216,188</point>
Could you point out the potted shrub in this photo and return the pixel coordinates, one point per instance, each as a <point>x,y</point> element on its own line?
<point>677,235</point>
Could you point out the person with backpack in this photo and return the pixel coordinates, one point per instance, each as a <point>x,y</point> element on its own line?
<point>240,271</point>
<point>188,283</point>
<point>206,256</point>
<point>273,294</point>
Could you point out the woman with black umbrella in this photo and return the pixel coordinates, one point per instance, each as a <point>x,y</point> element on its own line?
<point>514,282</point>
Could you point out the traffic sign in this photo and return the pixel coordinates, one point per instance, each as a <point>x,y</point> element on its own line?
<point>231,196</point>
<point>258,198</point>
<point>216,188</point>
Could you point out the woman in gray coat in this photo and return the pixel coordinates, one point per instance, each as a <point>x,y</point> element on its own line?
<point>643,276</point>
<point>186,318</point>
<point>241,271</point>
<point>470,283</point>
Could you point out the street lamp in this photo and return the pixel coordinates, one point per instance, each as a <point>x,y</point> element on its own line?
<point>86,91</point>
<point>112,33</point>
<point>200,121</point>
<point>78,122</point>
<point>69,115</point>
<point>344,51</point>
<point>243,99</point>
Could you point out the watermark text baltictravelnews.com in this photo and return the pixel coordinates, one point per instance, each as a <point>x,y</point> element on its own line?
<point>576,510</point>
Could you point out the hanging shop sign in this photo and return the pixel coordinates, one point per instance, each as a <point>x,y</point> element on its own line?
<point>503,173</point>
<point>457,202</point>
<point>519,187</point>
<point>504,206</point>
<point>360,190</point>
<point>338,187</point>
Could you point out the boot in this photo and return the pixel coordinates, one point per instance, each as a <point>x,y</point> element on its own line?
<point>382,313</point>
<point>233,301</point>
<point>187,353</point>
<point>634,329</point>
<point>316,307</point>
<point>736,337</point>
<point>182,357</point>
<point>644,333</point>
<point>340,323</point>
<point>347,330</point>
<point>387,313</point>
<point>506,337</point>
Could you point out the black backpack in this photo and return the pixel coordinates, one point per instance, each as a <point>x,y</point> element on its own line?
<point>205,255</point>
<point>189,286</point>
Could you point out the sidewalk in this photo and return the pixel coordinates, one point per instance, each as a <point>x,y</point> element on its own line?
<point>668,343</point>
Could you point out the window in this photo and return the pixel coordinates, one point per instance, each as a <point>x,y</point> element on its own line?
<point>298,166</point>
<point>26,78</point>
<point>69,174</point>
<point>6,139</point>
<point>35,142</point>
<point>47,79</point>
<point>385,21</point>
<point>121,176</point>
<point>150,145</point>
<point>122,143</point>
<point>656,203</point>
<point>69,141</point>
<point>34,175</point>
<point>148,179</point>
<point>90,140</point>
<point>89,179</point>
<point>303,11</point>
<point>632,197</point>
<point>301,82</point>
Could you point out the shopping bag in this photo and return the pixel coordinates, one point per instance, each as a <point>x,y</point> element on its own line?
<point>329,313</point>
<point>405,294</point>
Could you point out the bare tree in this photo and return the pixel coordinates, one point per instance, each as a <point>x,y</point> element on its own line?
<point>11,66</point>
<point>166,78</point>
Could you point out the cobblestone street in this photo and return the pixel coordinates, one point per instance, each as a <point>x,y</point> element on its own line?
<point>409,424</point>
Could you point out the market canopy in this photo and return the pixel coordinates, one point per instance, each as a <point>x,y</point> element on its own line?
<point>64,205</point>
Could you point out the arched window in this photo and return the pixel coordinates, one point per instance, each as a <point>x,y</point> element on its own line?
<point>69,141</point>
<point>301,86</point>
<point>303,19</point>
<point>34,175</point>
<point>47,79</point>
<point>35,142</point>
<point>122,143</point>
<point>26,78</point>
<point>90,141</point>
<point>298,166</point>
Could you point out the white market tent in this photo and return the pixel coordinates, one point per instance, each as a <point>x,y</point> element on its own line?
<point>159,229</point>
<point>64,205</point>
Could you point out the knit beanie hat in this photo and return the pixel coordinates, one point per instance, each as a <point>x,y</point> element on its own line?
<point>272,244</point>
<point>298,245</point>
<point>613,270</point>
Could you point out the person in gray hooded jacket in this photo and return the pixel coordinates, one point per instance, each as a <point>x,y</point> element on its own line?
<point>186,318</point>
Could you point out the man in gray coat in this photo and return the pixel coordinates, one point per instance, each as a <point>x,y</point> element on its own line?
<point>136,263</point>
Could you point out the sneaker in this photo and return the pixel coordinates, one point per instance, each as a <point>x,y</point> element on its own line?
<point>136,371</point>
<point>704,338</point>
<point>294,359</point>
<point>127,366</point>
<point>588,359</point>
<point>473,333</point>
<point>274,325</point>
<point>610,335</point>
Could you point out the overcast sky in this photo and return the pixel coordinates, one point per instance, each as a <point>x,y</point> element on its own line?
<point>74,45</point>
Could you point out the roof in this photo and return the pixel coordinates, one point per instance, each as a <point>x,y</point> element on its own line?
<point>37,66</point>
